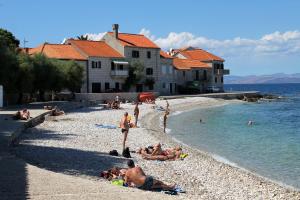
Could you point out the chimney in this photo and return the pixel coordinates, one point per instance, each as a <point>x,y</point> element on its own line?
<point>115,28</point>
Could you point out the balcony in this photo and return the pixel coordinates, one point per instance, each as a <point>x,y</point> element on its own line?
<point>119,73</point>
<point>226,71</point>
<point>222,71</point>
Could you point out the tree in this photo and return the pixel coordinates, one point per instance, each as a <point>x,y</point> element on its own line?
<point>136,73</point>
<point>26,77</point>
<point>8,68</point>
<point>47,77</point>
<point>83,37</point>
<point>8,39</point>
<point>74,76</point>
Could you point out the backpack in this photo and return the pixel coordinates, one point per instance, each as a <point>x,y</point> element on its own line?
<point>114,153</point>
<point>126,153</point>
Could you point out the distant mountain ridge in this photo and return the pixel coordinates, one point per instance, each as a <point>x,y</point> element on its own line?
<point>272,78</point>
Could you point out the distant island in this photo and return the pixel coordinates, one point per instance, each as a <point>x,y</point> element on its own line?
<point>273,78</point>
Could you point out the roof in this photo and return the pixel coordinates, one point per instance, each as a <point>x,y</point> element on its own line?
<point>58,51</point>
<point>135,40</point>
<point>187,64</point>
<point>199,54</point>
<point>165,55</point>
<point>95,48</point>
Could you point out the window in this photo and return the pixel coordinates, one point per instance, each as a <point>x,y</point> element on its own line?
<point>169,69</point>
<point>216,79</point>
<point>197,75</point>
<point>96,64</point>
<point>216,65</point>
<point>149,71</point>
<point>112,66</point>
<point>164,85</point>
<point>121,67</point>
<point>96,87</point>
<point>183,73</point>
<point>148,54</point>
<point>106,86</point>
<point>117,85</point>
<point>205,75</point>
<point>222,80</point>
<point>222,66</point>
<point>135,54</point>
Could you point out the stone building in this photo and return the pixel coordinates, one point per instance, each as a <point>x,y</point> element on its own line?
<point>107,64</point>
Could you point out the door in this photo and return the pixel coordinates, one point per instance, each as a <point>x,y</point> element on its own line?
<point>139,87</point>
<point>96,87</point>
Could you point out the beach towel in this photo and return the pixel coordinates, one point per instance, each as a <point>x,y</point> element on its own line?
<point>106,126</point>
<point>118,182</point>
<point>183,156</point>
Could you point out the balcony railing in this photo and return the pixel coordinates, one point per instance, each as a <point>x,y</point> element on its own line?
<point>226,71</point>
<point>222,71</point>
<point>119,73</point>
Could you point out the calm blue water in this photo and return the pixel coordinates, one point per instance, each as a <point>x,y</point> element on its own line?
<point>271,147</point>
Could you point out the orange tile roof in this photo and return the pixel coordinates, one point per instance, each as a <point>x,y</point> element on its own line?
<point>199,54</point>
<point>58,51</point>
<point>95,48</point>
<point>135,40</point>
<point>187,64</point>
<point>164,54</point>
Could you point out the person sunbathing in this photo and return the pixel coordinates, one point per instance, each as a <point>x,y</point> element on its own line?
<point>136,176</point>
<point>113,173</point>
<point>22,115</point>
<point>163,155</point>
<point>56,112</point>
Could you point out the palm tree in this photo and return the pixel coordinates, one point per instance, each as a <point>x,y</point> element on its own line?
<point>82,37</point>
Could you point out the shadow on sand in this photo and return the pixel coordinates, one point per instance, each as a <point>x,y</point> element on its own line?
<point>68,161</point>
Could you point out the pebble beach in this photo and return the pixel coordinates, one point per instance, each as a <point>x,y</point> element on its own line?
<point>72,144</point>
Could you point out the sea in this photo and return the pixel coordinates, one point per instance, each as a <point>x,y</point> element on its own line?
<point>270,147</point>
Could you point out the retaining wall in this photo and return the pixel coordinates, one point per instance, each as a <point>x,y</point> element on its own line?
<point>100,97</point>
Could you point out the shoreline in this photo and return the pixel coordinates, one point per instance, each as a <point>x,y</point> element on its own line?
<point>73,145</point>
<point>152,122</point>
<point>189,107</point>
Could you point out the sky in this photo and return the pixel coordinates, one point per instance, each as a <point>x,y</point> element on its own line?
<point>254,37</point>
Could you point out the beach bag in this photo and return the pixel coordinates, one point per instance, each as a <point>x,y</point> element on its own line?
<point>114,153</point>
<point>126,153</point>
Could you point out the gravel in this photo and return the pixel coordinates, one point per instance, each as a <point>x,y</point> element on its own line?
<point>72,144</point>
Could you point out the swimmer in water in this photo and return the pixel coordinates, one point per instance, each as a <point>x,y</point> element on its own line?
<point>250,123</point>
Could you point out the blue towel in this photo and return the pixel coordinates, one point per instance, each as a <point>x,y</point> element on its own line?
<point>106,126</point>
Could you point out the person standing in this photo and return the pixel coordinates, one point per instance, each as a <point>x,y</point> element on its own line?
<point>136,113</point>
<point>165,120</point>
<point>167,108</point>
<point>124,128</point>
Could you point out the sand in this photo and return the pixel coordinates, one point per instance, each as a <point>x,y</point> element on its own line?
<point>73,145</point>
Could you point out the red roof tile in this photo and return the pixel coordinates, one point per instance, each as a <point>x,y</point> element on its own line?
<point>186,64</point>
<point>95,48</point>
<point>199,54</point>
<point>58,51</point>
<point>135,40</point>
<point>164,54</point>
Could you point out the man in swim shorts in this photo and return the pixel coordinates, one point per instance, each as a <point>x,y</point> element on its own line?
<point>124,128</point>
<point>136,176</point>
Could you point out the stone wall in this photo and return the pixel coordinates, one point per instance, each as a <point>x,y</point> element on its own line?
<point>101,97</point>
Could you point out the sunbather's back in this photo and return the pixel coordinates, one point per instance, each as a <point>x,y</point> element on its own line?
<point>135,175</point>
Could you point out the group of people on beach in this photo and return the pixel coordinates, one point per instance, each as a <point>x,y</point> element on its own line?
<point>134,176</point>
